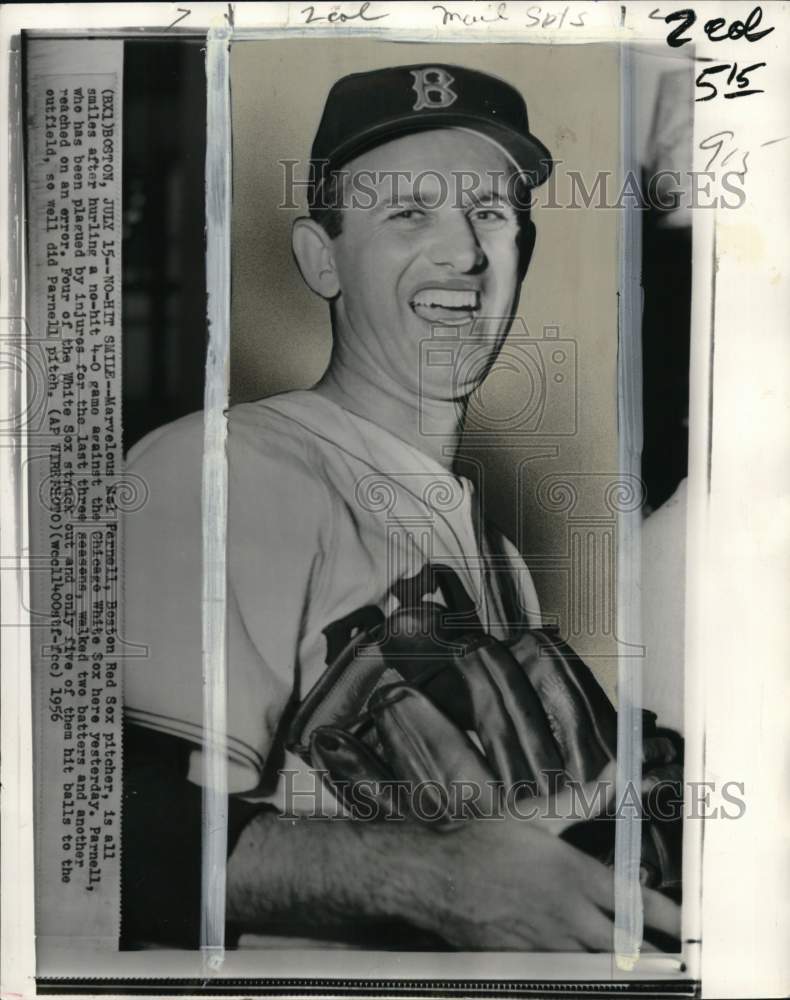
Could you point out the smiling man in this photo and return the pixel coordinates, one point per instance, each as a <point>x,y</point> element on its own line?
<point>345,505</point>
<point>430,252</point>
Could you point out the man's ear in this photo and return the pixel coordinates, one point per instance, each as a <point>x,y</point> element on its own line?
<point>526,244</point>
<point>315,257</point>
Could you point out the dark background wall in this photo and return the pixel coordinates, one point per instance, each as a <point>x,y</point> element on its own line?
<point>164,284</point>
<point>666,328</point>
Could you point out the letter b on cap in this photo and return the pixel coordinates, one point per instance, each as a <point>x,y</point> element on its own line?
<point>432,87</point>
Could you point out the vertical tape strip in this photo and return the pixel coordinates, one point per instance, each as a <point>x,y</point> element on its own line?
<point>17,923</point>
<point>628,915</point>
<point>214,497</point>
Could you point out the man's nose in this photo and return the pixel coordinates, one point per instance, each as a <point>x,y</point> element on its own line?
<point>455,245</point>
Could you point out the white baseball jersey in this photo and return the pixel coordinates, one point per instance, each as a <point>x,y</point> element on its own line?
<point>328,515</point>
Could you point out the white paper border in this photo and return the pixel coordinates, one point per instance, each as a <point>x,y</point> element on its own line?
<point>739,562</point>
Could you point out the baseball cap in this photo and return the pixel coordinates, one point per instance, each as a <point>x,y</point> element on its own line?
<point>364,110</point>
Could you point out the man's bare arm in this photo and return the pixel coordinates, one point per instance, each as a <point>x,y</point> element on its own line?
<point>322,874</point>
<point>492,884</point>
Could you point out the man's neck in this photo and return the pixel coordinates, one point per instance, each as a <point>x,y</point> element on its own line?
<point>433,427</point>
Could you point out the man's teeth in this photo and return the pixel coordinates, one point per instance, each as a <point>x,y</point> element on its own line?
<point>446,298</point>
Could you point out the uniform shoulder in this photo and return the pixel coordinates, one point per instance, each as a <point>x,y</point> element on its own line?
<point>278,495</point>
<point>264,427</point>
<point>174,448</point>
<point>279,432</point>
<point>270,441</point>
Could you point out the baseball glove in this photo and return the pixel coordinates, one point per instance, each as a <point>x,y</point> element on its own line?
<point>430,703</point>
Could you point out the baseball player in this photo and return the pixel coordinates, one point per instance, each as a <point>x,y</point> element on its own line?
<point>345,505</point>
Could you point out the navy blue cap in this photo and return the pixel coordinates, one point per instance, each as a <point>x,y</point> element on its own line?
<point>364,110</point>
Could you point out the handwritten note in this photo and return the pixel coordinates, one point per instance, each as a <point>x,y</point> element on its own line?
<point>733,79</point>
<point>534,16</point>
<point>358,14</point>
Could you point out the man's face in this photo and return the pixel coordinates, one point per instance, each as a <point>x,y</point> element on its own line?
<point>428,265</point>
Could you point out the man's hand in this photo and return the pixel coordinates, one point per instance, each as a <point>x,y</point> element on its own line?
<point>498,884</point>
<point>459,711</point>
<point>513,885</point>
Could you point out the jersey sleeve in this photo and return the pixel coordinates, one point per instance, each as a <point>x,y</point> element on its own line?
<point>162,583</point>
<point>279,531</point>
<point>274,551</point>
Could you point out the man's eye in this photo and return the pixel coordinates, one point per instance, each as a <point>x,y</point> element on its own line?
<point>489,215</point>
<point>407,214</point>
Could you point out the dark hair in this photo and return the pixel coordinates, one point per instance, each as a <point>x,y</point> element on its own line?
<point>325,206</point>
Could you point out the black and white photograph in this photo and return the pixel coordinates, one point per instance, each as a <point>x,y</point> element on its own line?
<point>364,550</point>
<point>377,434</point>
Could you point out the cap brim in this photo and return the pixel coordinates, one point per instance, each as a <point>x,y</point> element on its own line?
<point>528,153</point>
